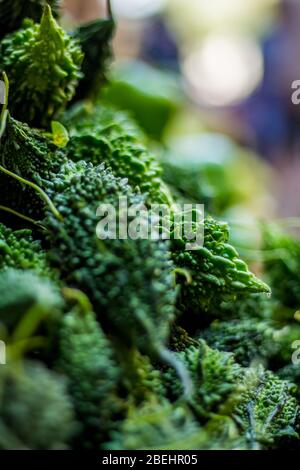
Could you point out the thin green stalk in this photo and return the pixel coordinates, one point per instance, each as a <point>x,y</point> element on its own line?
<point>36,188</point>
<point>21,216</point>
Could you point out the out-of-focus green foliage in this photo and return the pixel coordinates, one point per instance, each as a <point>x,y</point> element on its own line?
<point>150,95</point>
<point>158,427</point>
<point>43,67</point>
<point>253,340</point>
<point>95,40</point>
<point>35,410</point>
<point>282,265</point>
<point>23,292</point>
<point>211,169</point>
<point>86,358</point>
<point>291,373</point>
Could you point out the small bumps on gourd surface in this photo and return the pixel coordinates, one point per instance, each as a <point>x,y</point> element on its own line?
<point>86,358</point>
<point>268,410</point>
<point>215,269</point>
<point>101,134</point>
<point>19,250</point>
<point>129,282</point>
<point>28,154</point>
<point>216,378</point>
<point>13,12</point>
<point>262,407</point>
<point>43,67</point>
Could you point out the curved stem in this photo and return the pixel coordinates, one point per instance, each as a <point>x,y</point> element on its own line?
<point>39,190</point>
<point>79,297</point>
<point>4,109</point>
<point>170,359</point>
<point>109,10</point>
<point>21,216</point>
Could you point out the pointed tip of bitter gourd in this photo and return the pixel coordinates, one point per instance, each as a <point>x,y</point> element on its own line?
<point>49,28</point>
<point>43,64</point>
<point>47,20</point>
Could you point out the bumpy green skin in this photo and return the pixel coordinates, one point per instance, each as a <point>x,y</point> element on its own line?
<point>158,427</point>
<point>24,292</point>
<point>254,306</point>
<point>216,379</point>
<point>282,265</point>
<point>101,134</point>
<point>166,426</point>
<point>261,405</point>
<point>249,340</point>
<point>141,381</point>
<point>86,358</point>
<point>30,155</point>
<point>19,250</point>
<point>216,270</point>
<point>180,339</point>
<point>95,40</point>
<point>268,411</point>
<point>129,282</point>
<point>13,12</point>
<point>43,67</point>
<point>35,410</point>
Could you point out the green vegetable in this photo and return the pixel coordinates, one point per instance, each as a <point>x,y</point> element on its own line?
<point>262,406</point>
<point>141,380</point>
<point>157,427</point>
<point>268,411</point>
<point>216,379</point>
<point>19,250</point>
<point>43,67</point>
<point>86,358</point>
<point>30,156</point>
<point>252,341</point>
<point>141,343</point>
<point>101,134</point>
<point>216,271</point>
<point>291,373</point>
<point>246,339</point>
<point>13,12</point>
<point>112,272</point>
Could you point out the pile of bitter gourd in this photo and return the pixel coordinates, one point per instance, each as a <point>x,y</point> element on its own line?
<point>122,343</point>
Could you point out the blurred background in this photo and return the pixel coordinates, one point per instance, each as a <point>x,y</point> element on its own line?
<point>210,82</point>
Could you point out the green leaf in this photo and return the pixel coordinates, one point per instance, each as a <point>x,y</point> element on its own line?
<point>59,134</point>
